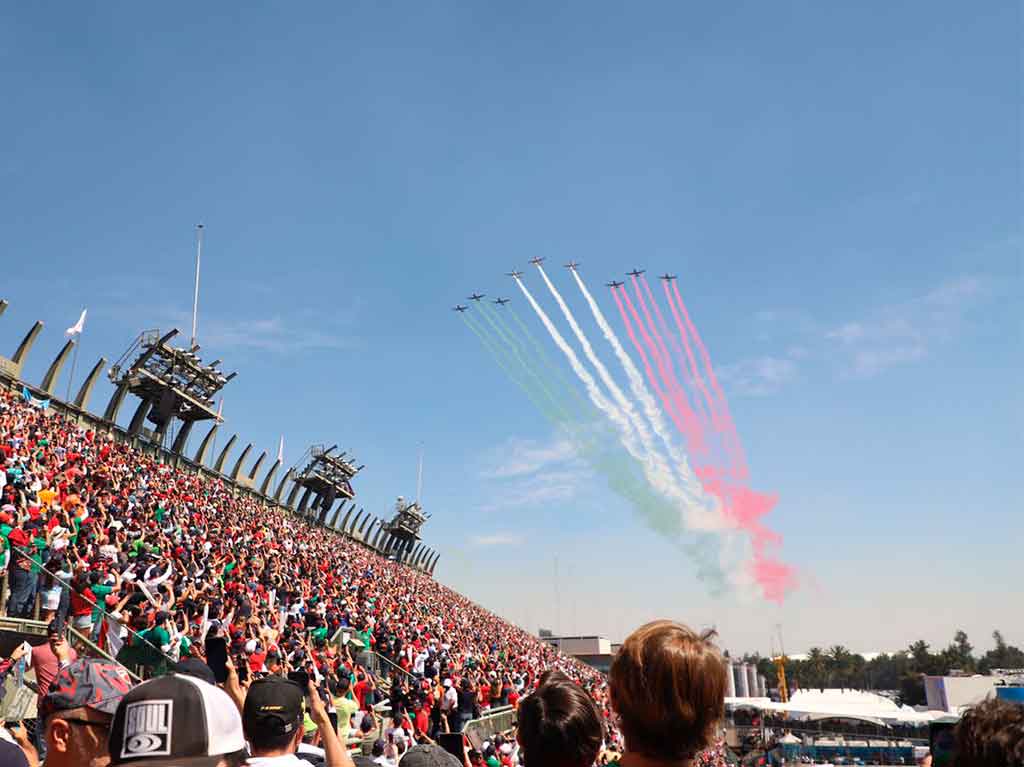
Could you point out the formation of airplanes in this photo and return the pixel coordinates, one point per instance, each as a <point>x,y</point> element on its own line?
<point>572,266</point>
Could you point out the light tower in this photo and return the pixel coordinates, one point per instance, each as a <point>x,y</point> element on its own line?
<point>326,477</point>
<point>404,529</point>
<point>170,382</point>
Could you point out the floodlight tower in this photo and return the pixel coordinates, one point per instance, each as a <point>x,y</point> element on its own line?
<point>171,383</point>
<point>404,529</point>
<point>326,477</point>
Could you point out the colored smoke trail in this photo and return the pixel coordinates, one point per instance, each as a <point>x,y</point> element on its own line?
<point>689,492</point>
<point>690,426</point>
<point>646,363</point>
<point>725,417</point>
<point>499,360</point>
<point>509,341</point>
<point>695,508</point>
<point>661,334</point>
<point>694,370</point>
<point>619,470</point>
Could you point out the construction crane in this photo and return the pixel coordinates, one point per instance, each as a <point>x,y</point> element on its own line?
<point>779,659</point>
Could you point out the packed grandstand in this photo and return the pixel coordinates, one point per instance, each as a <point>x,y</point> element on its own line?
<point>159,558</point>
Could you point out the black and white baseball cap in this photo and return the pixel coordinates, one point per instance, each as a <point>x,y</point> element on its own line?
<point>175,721</point>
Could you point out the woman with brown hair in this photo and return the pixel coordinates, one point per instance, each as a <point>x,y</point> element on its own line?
<point>558,725</point>
<point>667,686</point>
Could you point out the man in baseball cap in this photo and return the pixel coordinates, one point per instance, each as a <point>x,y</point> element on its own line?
<point>77,711</point>
<point>176,721</point>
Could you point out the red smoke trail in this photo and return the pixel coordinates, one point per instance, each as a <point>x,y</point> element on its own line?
<point>666,333</point>
<point>693,432</point>
<point>694,371</point>
<point>726,425</point>
<point>647,365</point>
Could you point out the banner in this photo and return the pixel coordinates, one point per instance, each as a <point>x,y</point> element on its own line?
<point>42,404</point>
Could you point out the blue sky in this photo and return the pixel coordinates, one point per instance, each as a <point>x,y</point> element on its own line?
<point>838,188</point>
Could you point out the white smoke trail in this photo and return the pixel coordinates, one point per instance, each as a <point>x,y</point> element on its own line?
<point>639,389</point>
<point>599,400</point>
<point>696,506</point>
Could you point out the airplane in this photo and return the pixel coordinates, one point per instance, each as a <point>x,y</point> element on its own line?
<point>459,308</point>
<point>636,272</point>
<point>571,265</point>
<point>613,284</point>
<point>537,260</point>
<point>477,296</point>
<point>514,274</point>
<point>502,301</point>
<point>667,277</point>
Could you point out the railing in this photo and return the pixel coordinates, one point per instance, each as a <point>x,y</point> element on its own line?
<point>492,722</point>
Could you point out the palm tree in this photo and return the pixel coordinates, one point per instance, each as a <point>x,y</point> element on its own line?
<point>839,662</point>
<point>817,662</point>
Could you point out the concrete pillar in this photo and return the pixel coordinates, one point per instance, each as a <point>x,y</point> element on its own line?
<point>268,480</point>
<point>116,400</point>
<point>333,524</point>
<point>751,670</point>
<point>762,690</point>
<point>53,372</point>
<point>256,466</point>
<point>351,531</point>
<point>200,455</point>
<point>25,347</point>
<point>182,437</point>
<point>433,564</point>
<point>140,416</point>
<point>362,527</point>
<point>293,495</point>
<point>82,400</point>
<point>304,502</point>
<point>344,521</point>
<point>219,465</point>
<point>279,493</point>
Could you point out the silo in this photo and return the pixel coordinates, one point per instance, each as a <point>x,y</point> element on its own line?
<point>742,690</point>
<point>751,670</point>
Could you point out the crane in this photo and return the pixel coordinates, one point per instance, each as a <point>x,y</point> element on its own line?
<point>780,664</point>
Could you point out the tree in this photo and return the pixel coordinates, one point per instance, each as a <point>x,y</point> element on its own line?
<point>921,659</point>
<point>959,655</point>
<point>818,664</point>
<point>1003,656</point>
<point>839,664</point>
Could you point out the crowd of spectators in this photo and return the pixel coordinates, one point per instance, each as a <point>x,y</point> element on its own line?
<point>158,565</point>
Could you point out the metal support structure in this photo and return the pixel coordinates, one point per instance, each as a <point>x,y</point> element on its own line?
<point>219,465</point>
<point>82,399</point>
<point>53,372</point>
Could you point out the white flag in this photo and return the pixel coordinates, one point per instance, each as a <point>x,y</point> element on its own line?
<point>77,328</point>
<point>280,449</point>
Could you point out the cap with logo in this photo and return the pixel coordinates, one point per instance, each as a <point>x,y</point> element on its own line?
<point>86,683</point>
<point>273,704</point>
<point>175,720</point>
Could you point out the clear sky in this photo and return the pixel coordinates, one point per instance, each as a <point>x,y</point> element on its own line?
<point>837,185</point>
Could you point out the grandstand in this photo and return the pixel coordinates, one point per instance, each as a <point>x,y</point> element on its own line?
<point>171,384</point>
<point>144,550</point>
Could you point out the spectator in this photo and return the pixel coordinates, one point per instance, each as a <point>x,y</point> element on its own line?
<point>991,734</point>
<point>77,712</point>
<point>559,726</point>
<point>667,686</point>
<point>467,706</point>
<point>273,723</point>
<point>429,755</point>
<point>176,721</point>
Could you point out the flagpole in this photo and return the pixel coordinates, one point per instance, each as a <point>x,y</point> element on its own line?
<point>74,361</point>
<point>195,298</point>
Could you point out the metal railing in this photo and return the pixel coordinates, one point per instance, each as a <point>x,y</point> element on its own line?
<point>490,723</point>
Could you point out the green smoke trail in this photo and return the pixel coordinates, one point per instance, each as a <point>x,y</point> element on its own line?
<point>500,360</point>
<point>556,372</point>
<point>503,332</point>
